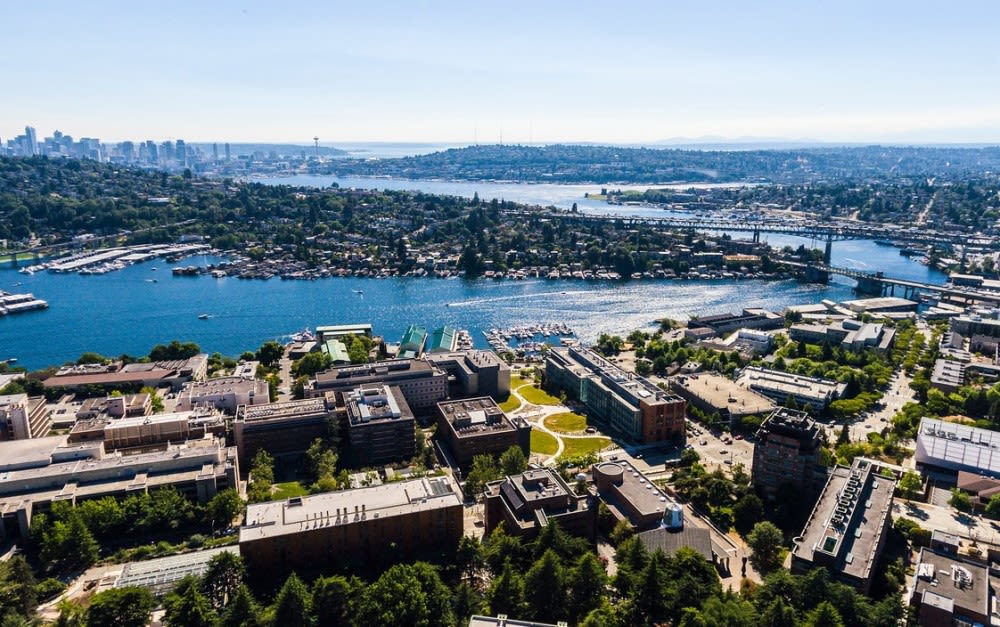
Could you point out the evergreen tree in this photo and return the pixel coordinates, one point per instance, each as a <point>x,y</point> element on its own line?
<point>121,607</point>
<point>223,577</point>
<point>545,589</point>
<point>186,606</point>
<point>506,594</point>
<point>587,586</point>
<point>335,599</point>
<point>242,610</point>
<point>824,615</point>
<point>293,606</point>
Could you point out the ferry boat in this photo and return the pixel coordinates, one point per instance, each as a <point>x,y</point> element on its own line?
<point>203,317</point>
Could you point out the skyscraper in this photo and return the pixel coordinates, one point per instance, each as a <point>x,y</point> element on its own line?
<point>32,143</point>
<point>227,151</point>
<point>180,152</point>
<point>215,152</point>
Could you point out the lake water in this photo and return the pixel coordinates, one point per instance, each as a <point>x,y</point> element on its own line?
<point>125,312</point>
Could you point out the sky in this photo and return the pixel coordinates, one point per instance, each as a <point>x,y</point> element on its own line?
<point>528,72</point>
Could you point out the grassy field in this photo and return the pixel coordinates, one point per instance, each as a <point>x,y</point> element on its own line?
<point>516,381</point>
<point>566,422</point>
<point>511,404</point>
<point>543,443</point>
<point>289,489</point>
<point>573,447</point>
<point>538,396</point>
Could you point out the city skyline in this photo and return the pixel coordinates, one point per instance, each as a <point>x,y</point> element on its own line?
<point>521,73</point>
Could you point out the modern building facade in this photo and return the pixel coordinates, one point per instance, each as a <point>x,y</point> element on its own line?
<point>786,452</point>
<point>422,384</point>
<point>626,403</point>
<point>223,393</point>
<point>325,529</point>
<point>473,373</point>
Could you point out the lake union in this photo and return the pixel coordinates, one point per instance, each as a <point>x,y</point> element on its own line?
<point>127,312</point>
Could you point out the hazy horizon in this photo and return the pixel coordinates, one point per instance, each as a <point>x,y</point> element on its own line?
<point>643,73</point>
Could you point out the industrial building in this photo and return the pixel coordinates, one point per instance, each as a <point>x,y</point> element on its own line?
<point>119,376</point>
<point>322,530</point>
<point>786,452</point>
<point>850,334</point>
<point>847,528</point>
<point>23,417</point>
<point>477,426</point>
<point>779,386</point>
<point>722,324</point>
<point>379,426</point>
<point>626,403</point>
<point>526,503</point>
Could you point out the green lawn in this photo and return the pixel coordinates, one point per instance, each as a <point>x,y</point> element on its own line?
<point>516,381</point>
<point>511,404</point>
<point>538,396</point>
<point>288,490</point>
<point>566,422</point>
<point>573,447</point>
<point>543,443</point>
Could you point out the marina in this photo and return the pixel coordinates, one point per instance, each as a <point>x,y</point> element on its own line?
<point>529,340</point>
<point>18,303</point>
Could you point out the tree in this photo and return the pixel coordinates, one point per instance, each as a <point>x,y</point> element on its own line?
<point>469,557</point>
<point>335,599</point>
<point>18,588</point>
<point>545,588</point>
<point>154,398</point>
<point>269,353</point>
<point>587,583</point>
<point>121,607</point>
<point>224,507</point>
<point>223,578</point>
<point>186,606</point>
<point>747,512</point>
<point>651,596</point>
<point>512,461</point>
<point>293,605</point>
<point>484,469</point>
<point>506,594</point>
<point>310,364</point>
<point>242,610</point>
<point>824,615</point>
<point>960,500</point>
<point>910,484</point>
<point>765,542</point>
<point>622,531</point>
<point>261,477</point>
<point>468,601</point>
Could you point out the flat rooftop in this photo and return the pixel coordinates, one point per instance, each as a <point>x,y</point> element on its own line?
<point>389,368</point>
<point>958,447</point>
<point>292,516</point>
<point>475,416</point>
<point>635,488</point>
<point>844,527</point>
<point>163,574</point>
<point>31,452</point>
<point>945,581</point>
<point>723,394</point>
<point>789,383</point>
<point>288,409</point>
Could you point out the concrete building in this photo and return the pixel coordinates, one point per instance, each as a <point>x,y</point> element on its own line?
<point>501,620</point>
<point>422,384</point>
<point>333,332</point>
<point>124,406</point>
<point>325,529</point>
<point>473,373</point>
<point>881,305</point>
<point>786,452</point>
<point>628,404</point>
<point>715,394</point>
<point>223,393</point>
<point>477,426</point>
<point>527,502</point>
<point>35,473</point>
<point>949,590</point>
<point>380,426</point>
<point>148,431</point>
<point>948,448</point>
<point>118,376</point>
<point>23,417</point>
<point>850,334</point>
<point>779,386</point>
<point>722,324</point>
<point>630,495</point>
<point>847,528</point>
<point>983,322</point>
<point>287,428</point>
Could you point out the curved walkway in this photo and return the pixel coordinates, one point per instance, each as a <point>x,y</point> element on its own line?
<point>536,415</point>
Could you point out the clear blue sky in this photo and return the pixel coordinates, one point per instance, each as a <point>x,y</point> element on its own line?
<point>624,72</point>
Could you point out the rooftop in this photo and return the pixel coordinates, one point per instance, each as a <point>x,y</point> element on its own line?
<point>635,488</point>
<point>475,416</point>
<point>847,521</point>
<point>790,423</point>
<point>958,447</point>
<point>789,383</point>
<point>292,516</point>
<point>375,403</point>
<point>723,393</point>
<point>288,409</point>
<point>952,583</point>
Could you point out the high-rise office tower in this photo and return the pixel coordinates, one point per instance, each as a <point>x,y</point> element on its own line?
<point>180,152</point>
<point>32,141</point>
<point>227,152</point>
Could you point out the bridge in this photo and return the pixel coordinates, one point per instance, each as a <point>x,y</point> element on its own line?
<point>876,283</point>
<point>828,231</point>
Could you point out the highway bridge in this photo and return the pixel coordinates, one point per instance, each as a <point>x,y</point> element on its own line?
<point>827,231</point>
<point>876,283</point>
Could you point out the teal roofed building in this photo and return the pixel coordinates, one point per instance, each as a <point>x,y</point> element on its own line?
<point>337,352</point>
<point>413,342</point>
<point>443,340</point>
